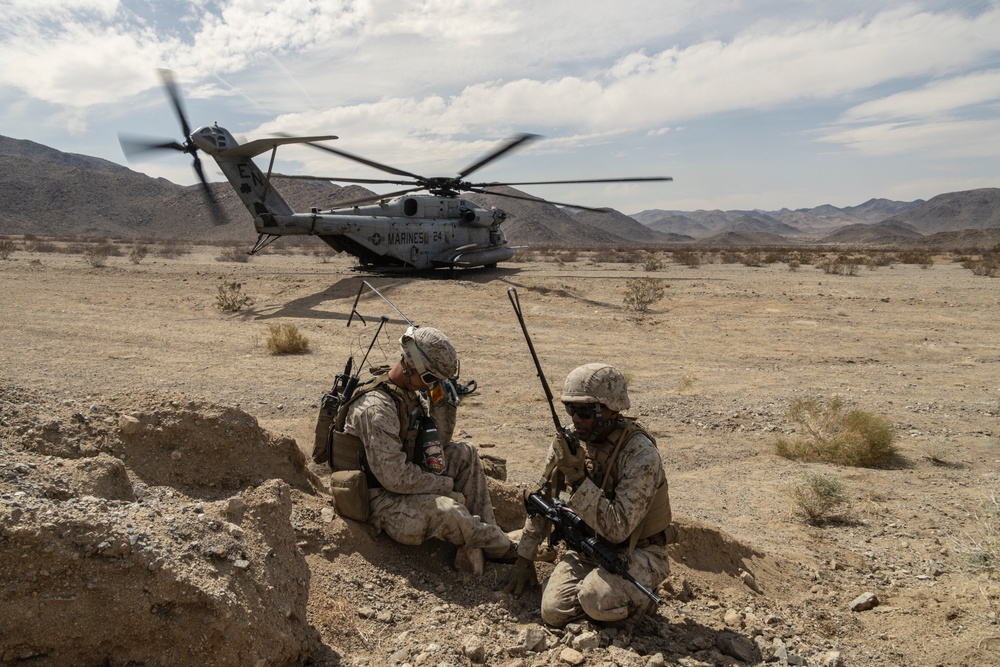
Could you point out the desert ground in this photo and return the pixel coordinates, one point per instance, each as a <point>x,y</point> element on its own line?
<point>713,368</point>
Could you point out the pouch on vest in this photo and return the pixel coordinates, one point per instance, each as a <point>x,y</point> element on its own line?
<point>324,431</point>
<point>350,494</point>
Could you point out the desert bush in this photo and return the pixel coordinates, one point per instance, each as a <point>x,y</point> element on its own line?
<point>923,258</point>
<point>138,252</point>
<point>688,258</point>
<point>653,263</point>
<point>980,543</point>
<point>835,434</point>
<point>752,259</point>
<point>233,254</point>
<point>7,248</point>
<point>988,267</point>
<point>172,250</point>
<point>842,266</point>
<point>231,299</point>
<point>819,498</point>
<point>793,265</point>
<point>630,256</point>
<point>604,256</point>
<point>641,293</point>
<point>97,254</point>
<point>730,257</point>
<point>569,256</point>
<point>285,338</point>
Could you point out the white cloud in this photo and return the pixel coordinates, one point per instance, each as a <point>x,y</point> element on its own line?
<point>947,139</point>
<point>941,97</point>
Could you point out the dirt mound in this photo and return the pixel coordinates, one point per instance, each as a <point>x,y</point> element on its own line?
<point>144,533</point>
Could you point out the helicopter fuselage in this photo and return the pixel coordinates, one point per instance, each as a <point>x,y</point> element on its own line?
<point>415,231</point>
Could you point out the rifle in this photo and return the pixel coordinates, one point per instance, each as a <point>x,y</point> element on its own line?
<point>570,528</point>
<point>567,435</point>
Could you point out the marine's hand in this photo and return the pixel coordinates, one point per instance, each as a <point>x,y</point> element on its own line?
<point>522,577</point>
<point>573,467</point>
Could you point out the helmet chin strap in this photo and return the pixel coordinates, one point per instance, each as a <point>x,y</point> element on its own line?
<point>601,425</point>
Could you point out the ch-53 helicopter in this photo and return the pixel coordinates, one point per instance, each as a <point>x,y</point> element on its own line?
<point>398,230</point>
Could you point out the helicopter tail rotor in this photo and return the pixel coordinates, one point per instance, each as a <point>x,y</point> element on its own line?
<point>133,146</point>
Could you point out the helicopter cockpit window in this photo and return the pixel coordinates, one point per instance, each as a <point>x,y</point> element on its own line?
<point>410,207</point>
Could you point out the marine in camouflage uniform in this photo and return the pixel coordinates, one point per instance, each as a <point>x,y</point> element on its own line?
<point>408,501</point>
<point>616,484</point>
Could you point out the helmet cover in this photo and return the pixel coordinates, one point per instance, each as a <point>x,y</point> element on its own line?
<point>428,350</point>
<point>597,383</point>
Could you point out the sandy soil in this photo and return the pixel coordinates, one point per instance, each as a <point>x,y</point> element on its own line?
<point>713,368</point>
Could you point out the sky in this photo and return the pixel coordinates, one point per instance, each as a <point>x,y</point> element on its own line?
<point>761,104</point>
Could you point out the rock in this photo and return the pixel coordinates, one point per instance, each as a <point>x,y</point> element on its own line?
<point>656,660</point>
<point>737,646</point>
<point>532,638</point>
<point>129,425</point>
<point>864,602</point>
<point>733,618</point>
<point>749,580</point>
<point>475,650</point>
<point>832,659</point>
<point>571,656</point>
<point>586,641</point>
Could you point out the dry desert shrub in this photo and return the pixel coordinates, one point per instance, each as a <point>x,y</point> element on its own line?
<point>138,252</point>
<point>230,298</point>
<point>653,263</point>
<point>988,266</point>
<point>641,293</point>
<point>923,258</point>
<point>981,544</point>
<point>819,498</point>
<point>688,258</point>
<point>97,255</point>
<point>285,338</point>
<point>835,434</point>
<point>7,248</point>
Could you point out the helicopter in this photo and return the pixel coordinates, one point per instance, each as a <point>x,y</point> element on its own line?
<point>401,230</point>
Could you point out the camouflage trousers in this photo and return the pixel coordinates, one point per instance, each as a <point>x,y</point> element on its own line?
<point>414,518</point>
<point>578,588</point>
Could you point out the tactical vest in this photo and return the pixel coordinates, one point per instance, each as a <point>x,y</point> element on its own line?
<point>658,516</point>
<point>346,451</point>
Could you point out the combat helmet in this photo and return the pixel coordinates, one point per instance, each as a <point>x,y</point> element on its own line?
<point>597,383</point>
<point>429,351</point>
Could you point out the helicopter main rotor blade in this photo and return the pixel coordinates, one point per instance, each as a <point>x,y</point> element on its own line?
<point>365,200</point>
<point>510,145</point>
<point>337,179</point>
<point>167,76</point>
<point>539,200</point>
<point>589,180</point>
<point>365,161</point>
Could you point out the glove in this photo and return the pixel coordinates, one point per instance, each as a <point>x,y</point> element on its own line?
<point>573,467</point>
<point>522,577</point>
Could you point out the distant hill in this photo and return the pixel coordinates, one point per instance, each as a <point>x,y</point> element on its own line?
<point>47,192</point>
<point>971,209</point>
<point>882,233</point>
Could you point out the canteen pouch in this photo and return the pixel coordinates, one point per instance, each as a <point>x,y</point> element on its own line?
<point>350,494</point>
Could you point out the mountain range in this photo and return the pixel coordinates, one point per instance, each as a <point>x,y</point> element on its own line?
<point>51,193</point>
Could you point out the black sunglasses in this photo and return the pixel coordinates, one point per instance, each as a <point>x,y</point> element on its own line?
<point>581,411</point>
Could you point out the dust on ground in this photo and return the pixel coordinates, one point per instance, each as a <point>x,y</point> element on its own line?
<point>158,509</point>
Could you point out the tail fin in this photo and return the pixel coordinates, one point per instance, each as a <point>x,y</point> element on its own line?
<point>235,161</point>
